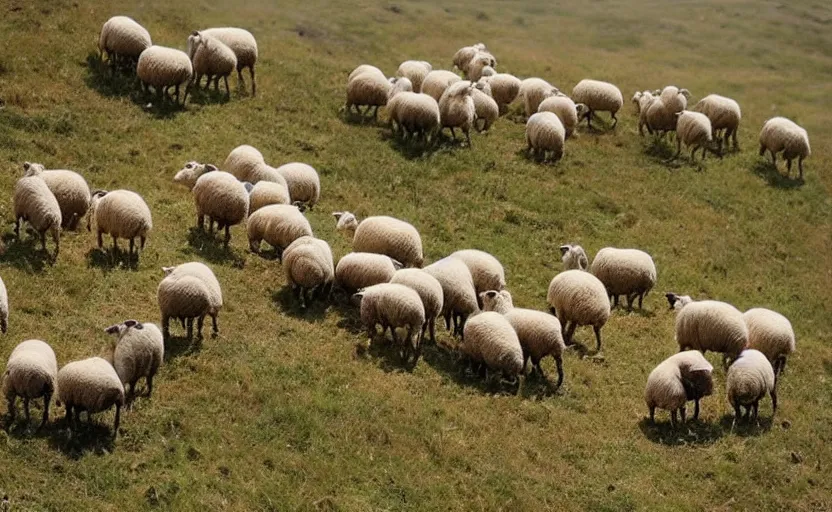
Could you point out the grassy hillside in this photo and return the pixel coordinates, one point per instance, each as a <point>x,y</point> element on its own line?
<point>277,413</point>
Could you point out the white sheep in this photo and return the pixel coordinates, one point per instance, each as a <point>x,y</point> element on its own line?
<point>597,96</point>
<point>694,130</point>
<point>358,270</point>
<point>211,58</point>
<point>246,163</point>
<point>628,272</point>
<point>365,68</point>
<point>459,296</point>
<point>303,183</point>
<point>486,270</point>
<point>545,134</point>
<point>579,298</point>
<point>709,325</point>
<point>750,377</point>
<point>394,306</point>
<point>437,81</point>
<point>278,225</point>
<point>725,116</point>
<point>32,372</point>
<point>370,90</point>
<point>90,385</point>
<point>485,108</point>
<point>122,39</point>
<point>464,55</point>
<point>204,274</point>
<point>137,353</point>
<point>162,68</point>
<point>678,379</point>
<point>533,91</point>
<point>36,204</point>
<point>69,188</point>
<point>563,107</point>
<point>490,339</point>
<point>642,101</point>
<point>120,214</point>
<point>781,134</point>
<point>504,88</point>
<point>661,113</point>
<point>416,114</point>
<point>222,198</point>
<point>309,267</point>
<point>475,67</point>
<point>184,297</point>
<point>415,71</point>
<point>265,193</point>
<point>4,307</point>
<point>574,257</point>
<point>456,108</point>
<point>429,290</point>
<point>771,333</point>
<point>244,46</point>
<point>382,234</point>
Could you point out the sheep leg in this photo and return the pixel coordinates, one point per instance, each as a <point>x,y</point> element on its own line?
<point>652,414</point>
<point>774,400</point>
<point>375,112</point>
<point>630,298</point>
<point>165,326</point>
<point>214,326</point>
<point>773,159</point>
<point>589,120</point>
<point>788,167</point>
<point>227,89</point>
<point>70,421</point>
<point>199,323</point>
<point>17,226</point>
<point>43,241</point>
<point>453,133</point>
<point>800,166</point>
<point>432,323</point>
<point>755,406</point>
<point>217,83</point>
<point>142,240</point>
<point>100,239</point>
<point>253,81</point>
<point>115,245</point>
<point>682,414</point>
<point>640,299</point>
<point>118,420</point>
<point>559,364</point>
<point>190,328</point>
<point>696,410</point>
<point>227,236</point>
<point>673,418</point>
<point>597,330</point>
<point>26,409</point>
<point>678,148</point>
<point>46,399</point>
<point>11,409</point>
<point>614,120</point>
<point>130,250</point>
<point>467,136</point>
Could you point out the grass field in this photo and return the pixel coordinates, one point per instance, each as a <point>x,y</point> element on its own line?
<point>277,413</point>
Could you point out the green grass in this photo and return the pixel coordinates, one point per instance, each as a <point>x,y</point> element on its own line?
<point>277,413</point>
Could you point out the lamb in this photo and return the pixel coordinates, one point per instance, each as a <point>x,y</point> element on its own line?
<point>485,108</point>
<point>579,298</point>
<point>490,339</point>
<point>138,353</point>
<point>534,91</point>
<point>210,57</point>
<point>628,272</point>
<point>456,108</point>
<point>429,290</point>
<point>486,270</point>
<point>4,307</point>
<point>279,225</point>
<point>694,129</point>
<point>358,270</point>
<point>244,46</point>
<point>122,38</point>
<point>394,306</point>
<point>563,107</point>
<point>504,89</point>
<point>749,378</point>
<point>35,203</point>
<point>32,372</point>
<point>781,134</point>
<point>265,193</point>
<point>373,91</point>
<point>661,112</point>
<point>414,113</point>
<point>69,188</point>
<point>545,134</point>
<point>204,274</point>
<point>771,333</point>
<point>308,265</point>
<point>383,235</point>
<point>597,96</point>
<point>459,296</point>
<point>437,81</point>
<point>365,68</point>
<point>163,68</point>
<point>676,380</point>
<point>120,214</point>
<point>724,114</point>
<point>709,325</point>
<point>303,183</point>
<point>573,257</point>
<point>415,71</point>
<point>539,333</point>
<point>90,385</point>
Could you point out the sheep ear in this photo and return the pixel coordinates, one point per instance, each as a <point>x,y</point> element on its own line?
<point>396,264</point>
<point>491,294</point>
<point>671,299</point>
<point>195,33</point>
<point>167,270</point>
<point>564,249</point>
<point>26,166</point>
<point>210,168</point>
<point>130,323</point>
<point>357,297</point>
<point>337,215</point>
<point>113,329</point>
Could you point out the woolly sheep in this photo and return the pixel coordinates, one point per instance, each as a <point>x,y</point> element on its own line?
<point>563,107</point>
<point>661,113</point>
<point>486,270</point>
<point>246,163</point>
<point>309,269</point>
<point>456,108</point>
<point>642,101</point>
<point>748,380</point>
<point>69,188</point>
<point>416,114</point>
<point>373,91</point>
<point>487,71</point>
<point>244,46</point>
<point>724,114</point>
<point>184,297</point>
<point>539,333</point>
<point>481,60</point>
<point>676,380</point>
<point>358,270</point>
<point>694,130</point>
<point>4,307</point>
<point>781,134</point>
<point>277,224</point>
<point>221,197</point>
<point>437,81</point>
<point>579,298</point>
<point>709,325</point>
<point>573,257</point>
<point>504,89</point>
<point>415,71</point>
<point>459,296</point>
<point>163,68</point>
<point>597,96</point>
<point>120,214</point>
<point>628,272</point>
<point>212,285</point>
<point>545,134</point>
<point>265,193</point>
<point>485,108</point>
<point>533,91</point>
<point>32,372</point>
<point>302,181</point>
<point>382,234</point>
<point>464,55</point>
<point>490,339</point>
<point>122,38</point>
<point>429,290</point>
<point>35,203</point>
<point>90,385</point>
<point>138,353</point>
<point>771,333</point>
<point>365,68</point>
<point>394,306</point>
<point>210,57</point>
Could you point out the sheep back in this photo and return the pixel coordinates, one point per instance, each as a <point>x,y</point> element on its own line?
<point>91,385</point>
<point>693,128</point>
<point>303,182</point>
<point>278,224</point>
<point>160,66</point>
<point>579,297</point>
<point>428,288</point>
<point>240,41</point>
<point>265,193</point>
<point>415,71</point>
<point>123,36</point>
<point>392,305</point>
<point>32,371</point>
<point>489,338</point>
<point>222,197</point>
<point>666,383</point>
<point>545,132</point>
<point>390,236</point>
<point>437,81</point>
<point>564,108</point>
<point>486,270</point>
<point>723,112</point>
<point>459,294</point>
<point>307,262</point>
<point>358,270</point>
<point>539,333</point>
<point>139,353</point>
<point>749,378</point>
<point>711,325</point>
<point>624,271</point>
<point>37,204</point>
<point>597,95</point>
<point>122,214</point>
<point>769,332</point>
<point>781,134</point>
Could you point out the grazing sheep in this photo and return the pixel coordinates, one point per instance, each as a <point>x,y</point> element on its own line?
<point>573,257</point>
<point>184,297</point>
<point>474,69</point>
<point>4,307</point>
<point>358,270</point>
<point>676,380</point>
<point>563,107</point>
<point>415,71</point>
<point>597,96</point>
<point>277,224</point>
<point>203,273</point>
<point>90,385</point>
<point>459,296</point>
<point>771,333</point>
<point>217,195</point>
<point>437,81</point>
<point>210,57</point>
<point>32,372</point>
<point>265,193</point>
<point>394,306</point>
<point>373,91</point>
<point>246,163</point>
<point>365,68</point>
<point>36,204</point>
<point>137,353</point>
<point>122,39</point>
<point>579,298</point>
<point>533,91</point>
<point>163,68</point>
<point>485,108</point>
<point>303,183</point>
<point>486,270</point>
<point>661,113</point>
<point>781,134</point>
<point>490,339</point>
<point>69,188</point>
<point>120,214</point>
<point>456,108</point>
<point>539,333</point>
<point>504,89</point>
<point>429,290</point>
<point>382,235</point>
<point>416,114</point>
<point>308,265</point>
<point>642,101</point>
<point>545,134</point>
<point>724,114</point>
<point>628,272</point>
<point>749,378</point>
<point>709,325</point>
<point>244,46</point>
<point>694,130</point>
<point>464,55</point>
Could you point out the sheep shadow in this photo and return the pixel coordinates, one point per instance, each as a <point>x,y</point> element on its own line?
<point>107,260</point>
<point>411,149</point>
<point>25,253</point>
<point>529,156</point>
<point>360,118</point>
<point>623,311</point>
<point>208,96</point>
<point>385,354</point>
<point>691,433</point>
<point>289,304</point>
<point>444,359</point>
<point>771,175</point>
<point>110,82</point>
<point>211,248</point>
<point>177,346</point>
<point>90,436</point>
<point>746,429</point>
<point>660,149</point>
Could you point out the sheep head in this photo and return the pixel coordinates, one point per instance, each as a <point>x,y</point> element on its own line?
<point>32,169</point>
<point>573,257</point>
<point>499,301</point>
<point>677,301</point>
<point>346,223</point>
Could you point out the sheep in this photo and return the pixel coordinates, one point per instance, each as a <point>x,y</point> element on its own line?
<point>122,38</point>
<point>642,101</point>
<point>120,214</point>
<point>4,307</point>
<point>415,71</point>
<point>210,57</point>
<point>373,91</point>
<point>628,272</point>
<point>474,69</point>
<point>487,72</point>
<point>137,353</point>
<point>32,372</point>
<point>184,297</point>
<point>539,333</point>
<point>573,257</point>
<point>69,188</point>
<point>456,108</point>
<point>749,378</point>
<point>394,306</point>
<point>163,68</point>
<point>579,298</point>
<point>771,333</point>
<point>709,325</point>
<point>596,96</point>
<point>676,380</point>
<point>246,163</point>
<point>416,114</point>
<point>464,55</point>
<point>545,134</point>
<point>429,290</point>
<point>724,114</point>
<point>36,204</point>
<point>358,270</point>
<point>661,112</point>
<point>265,193</point>
<point>459,296</point>
<point>244,46</point>
<point>90,385</point>
<point>486,270</point>
<point>382,235</point>
<point>781,134</point>
<point>533,91</point>
<point>694,130</point>
<point>221,197</point>
<point>212,288</point>
<point>302,181</point>
<point>365,68</point>
<point>490,339</point>
<point>437,81</point>
<point>485,108</point>
<point>308,265</point>
<point>563,107</point>
<point>504,89</point>
<point>277,224</point>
